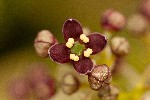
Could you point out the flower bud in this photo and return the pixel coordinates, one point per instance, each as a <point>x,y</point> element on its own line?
<point>70,83</point>
<point>146,96</point>
<point>109,92</point>
<point>113,20</point>
<point>45,90</point>
<point>37,73</point>
<point>99,77</point>
<point>120,46</point>
<point>19,89</point>
<point>43,42</point>
<point>145,8</point>
<point>137,24</point>
<point>41,82</point>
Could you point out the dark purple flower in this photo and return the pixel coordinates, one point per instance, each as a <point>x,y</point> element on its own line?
<point>112,20</point>
<point>78,47</point>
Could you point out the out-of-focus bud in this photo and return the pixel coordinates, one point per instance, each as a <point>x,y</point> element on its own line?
<point>70,83</point>
<point>146,96</point>
<point>113,20</point>
<point>41,82</point>
<point>19,89</point>
<point>137,24</point>
<point>44,40</point>
<point>37,73</point>
<point>45,90</point>
<point>109,92</point>
<point>86,31</point>
<point>145,8</point>
<point>120,46</point>
<point>99,77</point>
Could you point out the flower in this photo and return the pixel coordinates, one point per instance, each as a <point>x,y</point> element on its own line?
<point>78,47</point>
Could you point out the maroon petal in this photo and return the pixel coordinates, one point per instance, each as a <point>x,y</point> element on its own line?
<point>84,65</point>
<point>97,42</point>
<point>72,29</point>
<point>59,53</point>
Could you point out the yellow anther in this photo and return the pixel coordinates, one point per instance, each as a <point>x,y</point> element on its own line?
<point>72,56</point>
<point>89,50</point>
<point>71,40</point>
<point>69,45</point>
<point>76,58</point>
<point>86,54</point>
<point>82,36</point>
<point>86,40</point>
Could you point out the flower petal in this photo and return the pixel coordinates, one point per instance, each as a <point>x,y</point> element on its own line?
<point>97,42</point>
<point>72,29</point>
<point>59,53</point>
<point>84,65</point>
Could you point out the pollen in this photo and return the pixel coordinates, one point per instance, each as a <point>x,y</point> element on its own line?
<point>69,45</point>
<point>74,57</point>
<point>70,42</point>
<point>84,38</point>
<point>88,52</point>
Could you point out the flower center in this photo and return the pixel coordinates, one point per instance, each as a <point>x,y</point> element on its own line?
<point>77,49</point>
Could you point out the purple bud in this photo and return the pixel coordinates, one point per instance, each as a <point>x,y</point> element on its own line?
<point>145,8</point>
<point>113,20</point>
<point>45,90</point>
<point>43,42</point>
<point>19,89</point>
<point>38,73</point>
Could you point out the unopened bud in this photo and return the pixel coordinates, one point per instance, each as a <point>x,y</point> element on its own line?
<point>120,46</point>
<point>109,92</point>
<point>145,8</point>
<point>19,89</point>
<point>70,83</point>
<point>113,20</point>
<point>99,77</point>
<point>137,24</point>
<point>43,42</point>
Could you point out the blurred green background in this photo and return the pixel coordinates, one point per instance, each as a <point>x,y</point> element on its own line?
<point>20,20</point>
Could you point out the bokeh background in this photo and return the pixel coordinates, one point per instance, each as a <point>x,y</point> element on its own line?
<point>20,20</point>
